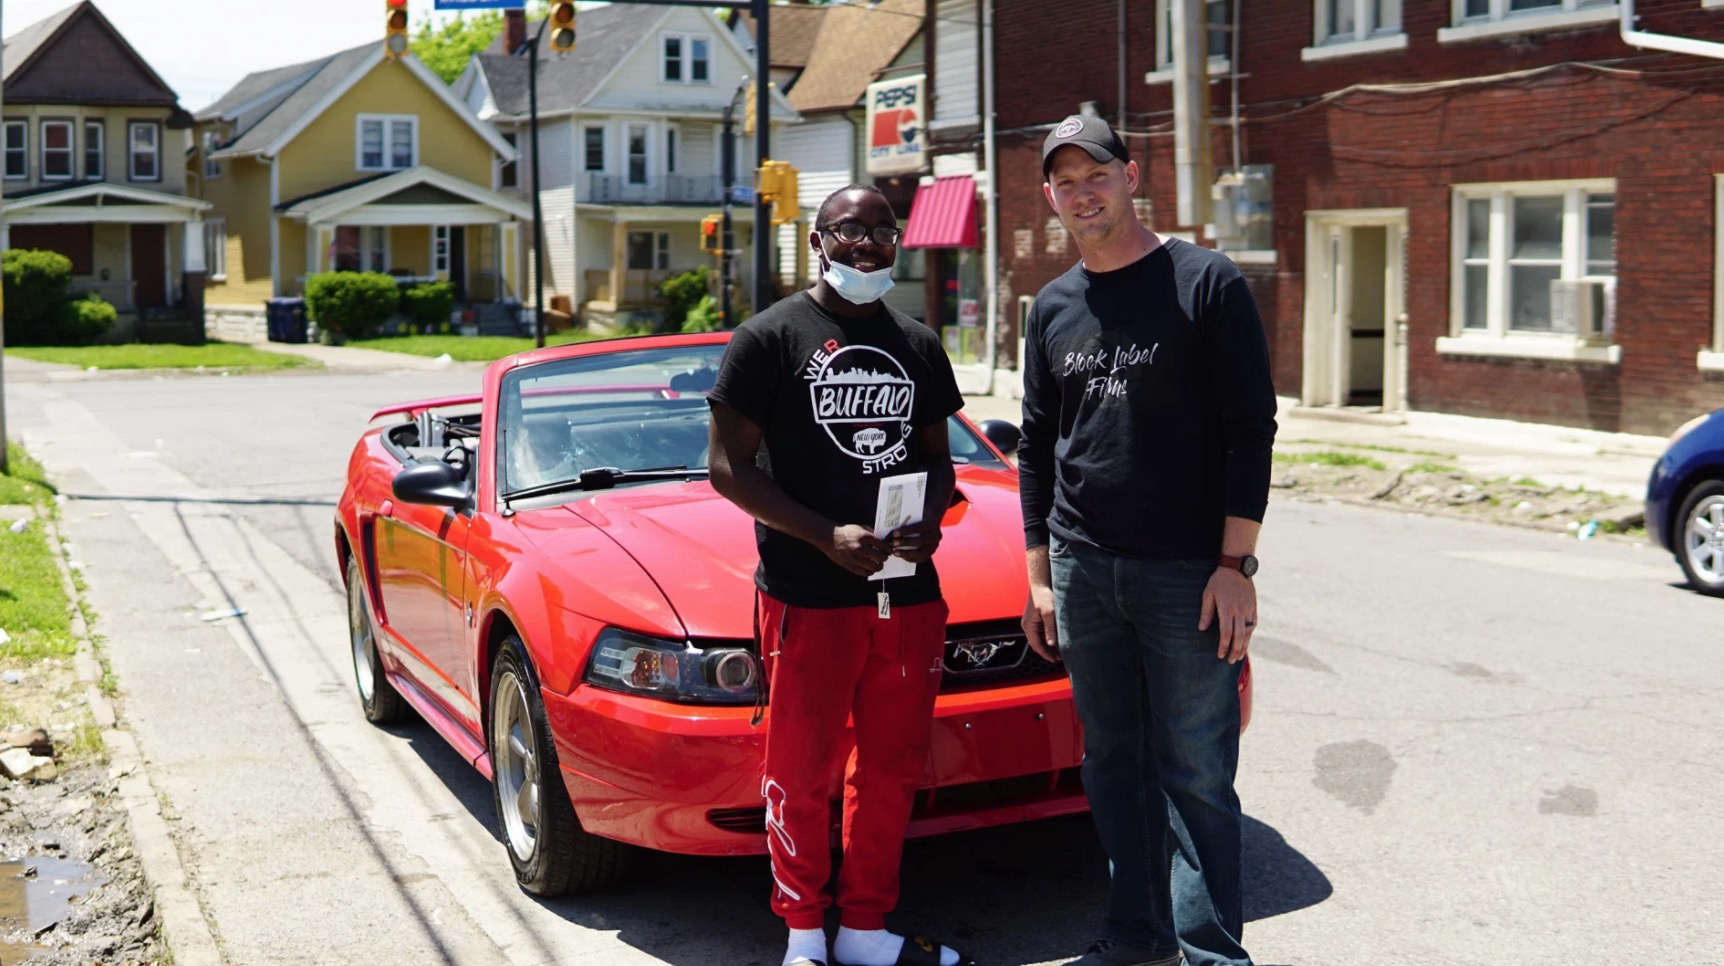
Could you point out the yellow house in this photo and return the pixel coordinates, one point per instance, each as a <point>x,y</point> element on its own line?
<point>354,162</point>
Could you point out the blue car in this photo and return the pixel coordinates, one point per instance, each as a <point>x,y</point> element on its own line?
<point>1685,501</point>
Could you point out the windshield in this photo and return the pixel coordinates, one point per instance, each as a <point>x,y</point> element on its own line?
<point>633,410</point>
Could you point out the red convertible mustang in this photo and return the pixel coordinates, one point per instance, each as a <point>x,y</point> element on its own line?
<point>544,574</point>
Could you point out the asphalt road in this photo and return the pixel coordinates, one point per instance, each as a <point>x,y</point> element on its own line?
<point>1472,744</point>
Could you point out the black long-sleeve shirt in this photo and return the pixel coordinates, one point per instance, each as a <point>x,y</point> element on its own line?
<point>1149,413</point>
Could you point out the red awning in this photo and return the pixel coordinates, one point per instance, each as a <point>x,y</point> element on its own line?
<point>943,214</point>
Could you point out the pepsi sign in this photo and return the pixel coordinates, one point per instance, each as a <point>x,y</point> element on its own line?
<point>897,125</point>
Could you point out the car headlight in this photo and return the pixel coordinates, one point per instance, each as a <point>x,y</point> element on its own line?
<point>675,670</point>
<point>1689,427</point>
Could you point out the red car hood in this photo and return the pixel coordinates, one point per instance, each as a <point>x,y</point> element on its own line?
<point>699,550</point>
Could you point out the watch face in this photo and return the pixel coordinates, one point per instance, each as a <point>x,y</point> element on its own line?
<point>1248,565</point>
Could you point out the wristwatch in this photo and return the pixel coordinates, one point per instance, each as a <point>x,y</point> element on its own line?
<point>1246,565</point>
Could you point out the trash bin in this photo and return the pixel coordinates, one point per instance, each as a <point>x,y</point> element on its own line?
<point>285,319</point>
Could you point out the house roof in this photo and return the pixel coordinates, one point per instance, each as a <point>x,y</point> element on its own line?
<point>794,29</point>
<point>309,87</point>
<point>77,56</point>
<point>856,42</point>
<point>608,34</point>
<point>324,205</point>
<point>255,85</point>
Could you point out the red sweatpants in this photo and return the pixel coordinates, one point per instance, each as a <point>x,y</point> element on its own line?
<point>828,666</point>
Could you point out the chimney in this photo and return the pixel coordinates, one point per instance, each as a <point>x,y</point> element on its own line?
<point>514,29</point>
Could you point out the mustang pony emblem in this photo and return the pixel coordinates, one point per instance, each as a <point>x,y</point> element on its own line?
<point>979,653</point>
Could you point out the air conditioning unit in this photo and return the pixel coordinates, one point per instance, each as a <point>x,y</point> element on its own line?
<point>1584,308</point>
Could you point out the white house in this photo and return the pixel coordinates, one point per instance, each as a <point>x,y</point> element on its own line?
<point>630,147</point>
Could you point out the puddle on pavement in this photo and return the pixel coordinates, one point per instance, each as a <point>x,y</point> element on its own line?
<point>36,893</point>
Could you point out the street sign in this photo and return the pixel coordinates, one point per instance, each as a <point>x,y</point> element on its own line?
<point>897,125</point>
<point>478,4</point>
<point>742,194</point>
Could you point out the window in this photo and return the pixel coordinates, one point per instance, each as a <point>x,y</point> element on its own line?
<point>508,173</point>
<point>1488,18</point>
<point>215,247</point>
<point>687,59</point>
<point>649,250</point>
<point>211,142</point>
<point>145,138</point>
<point>1511,243</point>
<point>57,150</point>
<point>17,150</point>
<point>387,143</point>
<point>1219,13</point>
<point>670,150</point>
<point>440,251</point>
<point>1355,26</point>
<point>95,148</point>
<point>637,154</point>
<point>595,146</point>
<point>361,249</point>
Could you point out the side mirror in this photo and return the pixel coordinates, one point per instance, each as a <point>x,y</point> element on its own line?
<point>433,483</point>
<point>1005,436</point>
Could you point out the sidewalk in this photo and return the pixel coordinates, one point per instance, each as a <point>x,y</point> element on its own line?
<point>342,358</point>
<point>1616,463</point>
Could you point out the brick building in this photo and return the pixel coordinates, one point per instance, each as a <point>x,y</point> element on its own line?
<point>1487,207</point>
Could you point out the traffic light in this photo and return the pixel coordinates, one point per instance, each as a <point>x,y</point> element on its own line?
<point>776,185</point>
<point>712,234</point>
<point>395,28</point>
<point>563,26</point>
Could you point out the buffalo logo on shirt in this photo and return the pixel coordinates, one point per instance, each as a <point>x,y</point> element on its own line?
<point>863,399</point>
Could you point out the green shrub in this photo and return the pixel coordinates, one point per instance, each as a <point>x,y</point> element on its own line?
<point>83,321</point>
<point>351,305</point>
<point>35,292</point>
<point>704,317</point>
<point>681,294</point>
<point>428,304</point>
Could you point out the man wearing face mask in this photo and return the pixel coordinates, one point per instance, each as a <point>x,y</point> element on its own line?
<point>818,398</point>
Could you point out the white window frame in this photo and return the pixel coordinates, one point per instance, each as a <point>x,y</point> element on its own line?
<point>1712,357</point>
<point>440,236</point>
<point>389,123</point>
<point>211,137</point>
<point>1496,338</point>
<point>629,131</point>
<point>95,145</point>
<point>1367,37</point>
<point>22,149</point>
<point>1163,73</point>
<point>215,247</point>
<point>132,127</point>
<point>1501,21</point>
<point>513,168</point>
<point>660,251</point>
<point>604,149</point>
<point>685,59</point>
<point>70,150</point>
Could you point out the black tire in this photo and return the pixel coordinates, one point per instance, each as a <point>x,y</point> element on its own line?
<point>551,854</point>
<point>1702,556</point>
<point>377,697</point>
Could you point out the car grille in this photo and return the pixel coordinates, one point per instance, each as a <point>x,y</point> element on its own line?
<point>991,654</point>
<point>746,820</point>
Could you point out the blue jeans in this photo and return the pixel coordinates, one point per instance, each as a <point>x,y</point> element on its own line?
<point>1160,716</point>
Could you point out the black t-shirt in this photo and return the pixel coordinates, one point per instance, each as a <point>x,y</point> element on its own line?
<point>840,402</point>
<point>1149,414</point>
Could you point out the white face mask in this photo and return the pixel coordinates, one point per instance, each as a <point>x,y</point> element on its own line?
<point>855,285</point>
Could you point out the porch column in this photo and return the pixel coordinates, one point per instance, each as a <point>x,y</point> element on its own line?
<point>497,261</point>
<point>197,260</point>
<point>195,276</point>
<point>619,253</point>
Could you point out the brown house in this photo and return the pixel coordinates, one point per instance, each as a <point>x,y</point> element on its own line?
<point>94,149</point>
<point>1490,208</point>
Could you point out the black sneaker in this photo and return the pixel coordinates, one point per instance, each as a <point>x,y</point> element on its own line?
<point>1109,952</point>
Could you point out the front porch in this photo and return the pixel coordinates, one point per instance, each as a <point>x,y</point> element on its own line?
<point>625,253</point>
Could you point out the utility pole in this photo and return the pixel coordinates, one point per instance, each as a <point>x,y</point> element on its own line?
<point>538,207</point>
<point>727,271</point>
<point>763,287</point>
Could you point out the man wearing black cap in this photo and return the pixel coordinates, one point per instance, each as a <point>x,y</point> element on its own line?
<point>1148,421</point>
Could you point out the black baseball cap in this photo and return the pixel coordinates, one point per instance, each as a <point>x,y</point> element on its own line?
<point>1085,131</point>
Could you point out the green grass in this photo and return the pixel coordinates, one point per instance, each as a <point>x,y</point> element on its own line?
<point>25,483</point>
<point>1529,481</point>
<point>473,348</point>
<point>213,355</point>
<point>32,598</point>
<point>1430,467</point>
<point>1370,446</point>
<point>1330,458</point>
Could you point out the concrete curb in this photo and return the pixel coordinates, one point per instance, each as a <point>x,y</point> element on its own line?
<point>185,930</point>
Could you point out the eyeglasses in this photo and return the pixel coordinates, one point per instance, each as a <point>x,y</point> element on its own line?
<point>850,233</point>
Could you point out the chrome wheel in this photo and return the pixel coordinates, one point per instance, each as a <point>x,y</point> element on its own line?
<point>1703,541</point>
<point>516,760</point>
<point>364,645</point>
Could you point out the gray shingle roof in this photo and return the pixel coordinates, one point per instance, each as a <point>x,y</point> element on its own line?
<point>254,85</point>
<point>21,45</point>
<point>606,35</point>
<point>329,74</point>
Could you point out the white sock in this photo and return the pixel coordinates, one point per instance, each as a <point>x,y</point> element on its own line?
<point>806,945</point>
<point>877,947</point>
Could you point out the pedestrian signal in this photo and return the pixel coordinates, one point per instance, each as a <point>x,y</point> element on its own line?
<point>712,234</point>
